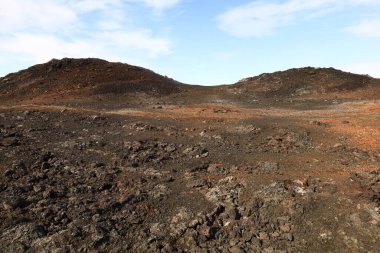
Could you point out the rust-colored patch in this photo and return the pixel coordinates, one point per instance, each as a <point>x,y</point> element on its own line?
<point>358,121</point>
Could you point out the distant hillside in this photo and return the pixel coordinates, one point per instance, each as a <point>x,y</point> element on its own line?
<point>94,78</point>
<point>84,77</point>
<point>306,81</point>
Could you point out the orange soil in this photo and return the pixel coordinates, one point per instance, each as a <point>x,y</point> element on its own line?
<point>363,127</point>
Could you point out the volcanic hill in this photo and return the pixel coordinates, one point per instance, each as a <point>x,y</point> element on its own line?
<point>94,78</point>
<point>309,82</point>
<point>69,78</point>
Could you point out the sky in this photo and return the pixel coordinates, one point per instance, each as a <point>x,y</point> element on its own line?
<point>205,42</point>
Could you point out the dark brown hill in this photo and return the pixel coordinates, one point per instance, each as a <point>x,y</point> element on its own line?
<point>68,78</point>
<point>306,82</point>
<point>84,79</point>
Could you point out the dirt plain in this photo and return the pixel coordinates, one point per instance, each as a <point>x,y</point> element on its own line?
<point>282,162</point>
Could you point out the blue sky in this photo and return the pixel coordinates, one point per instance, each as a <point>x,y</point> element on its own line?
<point>195,41</point>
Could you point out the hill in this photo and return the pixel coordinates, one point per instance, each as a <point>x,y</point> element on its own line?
<point>84,77</point>
<point>93,80</point>
<point>307,82</point>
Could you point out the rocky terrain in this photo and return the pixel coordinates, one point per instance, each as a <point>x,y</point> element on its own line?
<point>309,83</point>
<point>79,78</point>
<point>132,161</point>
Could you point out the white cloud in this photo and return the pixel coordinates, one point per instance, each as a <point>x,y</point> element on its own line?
<point>108,45</point>
<point>42,47</point>
<point>161,4</point>
<point>141,40</point>
<point>366,68</point>
<point>38,30</point>
<point>38,14</point>
<point>93,5</point>
<point>260,18</point>
<point>157,5</point>
<point>364,1</point>
<point>369,27</point>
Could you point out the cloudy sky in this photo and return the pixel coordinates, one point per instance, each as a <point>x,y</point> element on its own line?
<point>195,41</point>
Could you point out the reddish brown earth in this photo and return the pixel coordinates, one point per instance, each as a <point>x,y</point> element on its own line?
<point>81,78</point>
<point>108,157</point>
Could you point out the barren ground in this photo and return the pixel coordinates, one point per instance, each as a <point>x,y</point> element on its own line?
<point>210,177</point>
<point>198,172</point>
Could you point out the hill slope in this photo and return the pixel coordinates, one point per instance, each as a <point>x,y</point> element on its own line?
<point>307,82</point>
<point>83,77</point>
